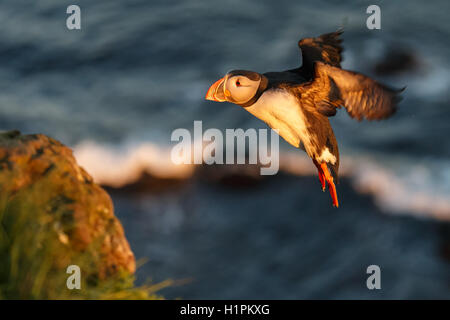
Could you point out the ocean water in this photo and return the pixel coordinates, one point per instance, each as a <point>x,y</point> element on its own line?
<point>137,70</point>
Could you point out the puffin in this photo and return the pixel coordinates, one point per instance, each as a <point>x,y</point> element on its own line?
<point>298,103</point>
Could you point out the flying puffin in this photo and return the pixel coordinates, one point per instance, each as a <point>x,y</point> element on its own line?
<point>298,102</point>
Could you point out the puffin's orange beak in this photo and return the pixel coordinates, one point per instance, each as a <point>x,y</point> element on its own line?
<point>216,92</point>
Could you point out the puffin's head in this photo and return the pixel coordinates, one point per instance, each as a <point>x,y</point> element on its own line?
<point>240,87</point>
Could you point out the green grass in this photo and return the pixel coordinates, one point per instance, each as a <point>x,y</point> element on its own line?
<point>34,251</point>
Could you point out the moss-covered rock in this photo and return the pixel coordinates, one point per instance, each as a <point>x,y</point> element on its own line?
<point>53,215</point>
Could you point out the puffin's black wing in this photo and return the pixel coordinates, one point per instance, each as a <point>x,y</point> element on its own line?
<point>325,48</point>
<point>364,98</point>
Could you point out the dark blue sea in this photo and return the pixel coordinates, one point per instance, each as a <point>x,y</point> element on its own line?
<point>116,89</point>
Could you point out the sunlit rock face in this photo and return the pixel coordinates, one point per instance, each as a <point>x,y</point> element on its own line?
<point>59,198</point>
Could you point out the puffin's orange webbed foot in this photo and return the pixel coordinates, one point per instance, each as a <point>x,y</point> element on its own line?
<point>320,174</point>
<point>331,186</point>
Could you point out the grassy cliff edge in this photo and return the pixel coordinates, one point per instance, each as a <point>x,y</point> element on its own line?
<point>53,215</point>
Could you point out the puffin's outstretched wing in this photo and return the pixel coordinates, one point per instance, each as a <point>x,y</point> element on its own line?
<point>364,98</point>
<point>325,48</point>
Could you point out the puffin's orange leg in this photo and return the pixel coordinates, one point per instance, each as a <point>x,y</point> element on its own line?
<point>331,186</point>
<point>321,174</point>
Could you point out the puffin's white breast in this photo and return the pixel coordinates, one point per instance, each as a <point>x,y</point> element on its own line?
<point>281,111</point>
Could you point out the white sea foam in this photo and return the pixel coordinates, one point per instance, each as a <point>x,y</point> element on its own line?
<point>420,188</point>
<point>121,165</point>
<point>397,184</point>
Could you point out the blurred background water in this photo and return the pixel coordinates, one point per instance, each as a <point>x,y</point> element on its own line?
<point>138,69</point>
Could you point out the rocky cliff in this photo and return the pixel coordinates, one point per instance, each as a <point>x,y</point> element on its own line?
<point>53,215</point>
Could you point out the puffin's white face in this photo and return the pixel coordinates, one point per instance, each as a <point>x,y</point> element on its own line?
<point>238,86</point>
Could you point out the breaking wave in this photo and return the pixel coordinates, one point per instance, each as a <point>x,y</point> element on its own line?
<point>398,185</point>
<point>122,165</point>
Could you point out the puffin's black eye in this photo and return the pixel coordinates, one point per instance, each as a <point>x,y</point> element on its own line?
<point>238,83</point>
